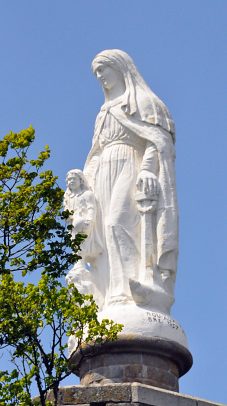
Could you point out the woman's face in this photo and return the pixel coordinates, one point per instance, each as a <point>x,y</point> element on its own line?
<point>108,76</point>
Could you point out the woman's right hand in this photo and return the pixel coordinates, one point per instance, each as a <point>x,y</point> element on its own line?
<point>147,183</point>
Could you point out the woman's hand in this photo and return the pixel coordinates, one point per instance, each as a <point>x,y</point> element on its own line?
<point>147,183</point>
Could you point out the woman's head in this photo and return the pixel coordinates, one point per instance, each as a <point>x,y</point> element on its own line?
<point>115,58</point>
<point>114,66</point>
<point>118,65</point>
<point>109,70</point>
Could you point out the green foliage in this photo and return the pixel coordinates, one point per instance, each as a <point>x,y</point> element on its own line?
<point>12,389</point>
<point>32,234</point>
<point>34,237</point>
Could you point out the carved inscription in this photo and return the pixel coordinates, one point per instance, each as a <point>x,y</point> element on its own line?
<point>154,317</point>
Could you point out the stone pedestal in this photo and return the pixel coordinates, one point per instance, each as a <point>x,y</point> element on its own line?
<point>125,394</point>
<point>149,360</point>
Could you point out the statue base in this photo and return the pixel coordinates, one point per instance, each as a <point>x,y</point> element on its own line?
<point>144,321</point>
<point>124,394</point>
<point>132,358</point>
<point>152,350</point>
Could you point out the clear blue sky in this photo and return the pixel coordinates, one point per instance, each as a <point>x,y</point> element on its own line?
<point>180,48</point>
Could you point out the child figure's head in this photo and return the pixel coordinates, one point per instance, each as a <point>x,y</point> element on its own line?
<point>75,180</point>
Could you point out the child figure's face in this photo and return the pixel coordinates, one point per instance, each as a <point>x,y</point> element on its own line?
<point>73,182</point>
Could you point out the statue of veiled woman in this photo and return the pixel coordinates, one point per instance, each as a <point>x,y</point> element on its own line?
<point>131,170</point>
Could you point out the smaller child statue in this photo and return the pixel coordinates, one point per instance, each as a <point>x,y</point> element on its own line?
<point>80,201</point>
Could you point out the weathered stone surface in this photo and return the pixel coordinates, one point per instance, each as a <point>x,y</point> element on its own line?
<point>201,402</point>
<point>157,397</point>
<point>122,404</point>
<point>168,379</point>
<point>160,397</point>
<point>95,394</point>
<point>134,371</point>
<point>126,394</point>
<point>147,360</point>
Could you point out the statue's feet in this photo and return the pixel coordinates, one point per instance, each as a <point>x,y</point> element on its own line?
<point>151,296</point>
<point>168,281</point>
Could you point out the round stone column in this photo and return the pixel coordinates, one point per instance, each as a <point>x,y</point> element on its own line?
<point>152,361</point>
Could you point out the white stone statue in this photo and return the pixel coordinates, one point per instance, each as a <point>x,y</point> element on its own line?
<point>80,201</point>
<point>130,170</point>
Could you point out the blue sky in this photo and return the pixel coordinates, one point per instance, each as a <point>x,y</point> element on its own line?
<point>179,46</point>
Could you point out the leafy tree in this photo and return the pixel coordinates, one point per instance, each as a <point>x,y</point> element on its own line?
<point>36,319</point>
<point>32,235</point>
